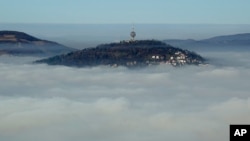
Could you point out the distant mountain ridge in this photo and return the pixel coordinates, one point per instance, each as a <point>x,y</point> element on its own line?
<point>237,39</point>
<point>20,43</point>
<point>234,42</point>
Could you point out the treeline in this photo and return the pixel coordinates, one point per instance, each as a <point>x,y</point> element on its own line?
<point>138,53</point>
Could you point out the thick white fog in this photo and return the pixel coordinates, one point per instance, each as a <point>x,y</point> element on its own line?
<point>57,103</point>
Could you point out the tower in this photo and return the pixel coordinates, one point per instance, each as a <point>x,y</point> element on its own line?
<point>133,34</point>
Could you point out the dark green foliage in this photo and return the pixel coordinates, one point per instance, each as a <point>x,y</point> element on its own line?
<point>130,54</point>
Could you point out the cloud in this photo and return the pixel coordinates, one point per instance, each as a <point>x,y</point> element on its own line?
<point>57,103</point>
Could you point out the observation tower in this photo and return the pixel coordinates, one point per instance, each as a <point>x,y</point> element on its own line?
<point>133,34</point>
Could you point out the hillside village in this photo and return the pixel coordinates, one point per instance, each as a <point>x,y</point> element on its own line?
<point>178,59</point>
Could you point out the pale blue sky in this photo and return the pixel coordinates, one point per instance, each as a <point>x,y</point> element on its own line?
<point>125,11</point>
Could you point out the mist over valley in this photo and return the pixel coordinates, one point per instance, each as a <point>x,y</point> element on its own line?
<point>41,102</point>
<point>102,103</point>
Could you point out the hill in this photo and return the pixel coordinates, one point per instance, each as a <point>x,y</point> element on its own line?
<point>129,54</point>
<point>230,42</point>
<point>19,43</point>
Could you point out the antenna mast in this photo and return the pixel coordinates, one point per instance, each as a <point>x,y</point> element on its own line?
<point>133,34</point>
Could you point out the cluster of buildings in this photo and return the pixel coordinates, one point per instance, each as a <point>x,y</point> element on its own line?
<point>178,59</point>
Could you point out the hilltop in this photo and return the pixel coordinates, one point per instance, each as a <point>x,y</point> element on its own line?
<point>138,53</point>
<point>20,43</point>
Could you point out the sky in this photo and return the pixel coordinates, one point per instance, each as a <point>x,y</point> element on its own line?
<point>129,11</point>
<point>57,103</point>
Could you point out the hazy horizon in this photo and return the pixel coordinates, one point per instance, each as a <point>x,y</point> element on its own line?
<point>90,35</point>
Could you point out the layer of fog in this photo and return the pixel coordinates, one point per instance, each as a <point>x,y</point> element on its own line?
<point>57,103</point>
<point>90,35</point>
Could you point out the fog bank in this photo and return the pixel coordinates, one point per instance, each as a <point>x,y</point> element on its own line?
<point>57,103</point>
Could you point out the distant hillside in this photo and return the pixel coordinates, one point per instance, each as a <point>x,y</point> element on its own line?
<point>19,43</point>
<point>230,40</point>
<point>129,54</point>
<point>234,42</point>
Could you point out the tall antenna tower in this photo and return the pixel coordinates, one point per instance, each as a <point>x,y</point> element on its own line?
<point>132,33</point>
